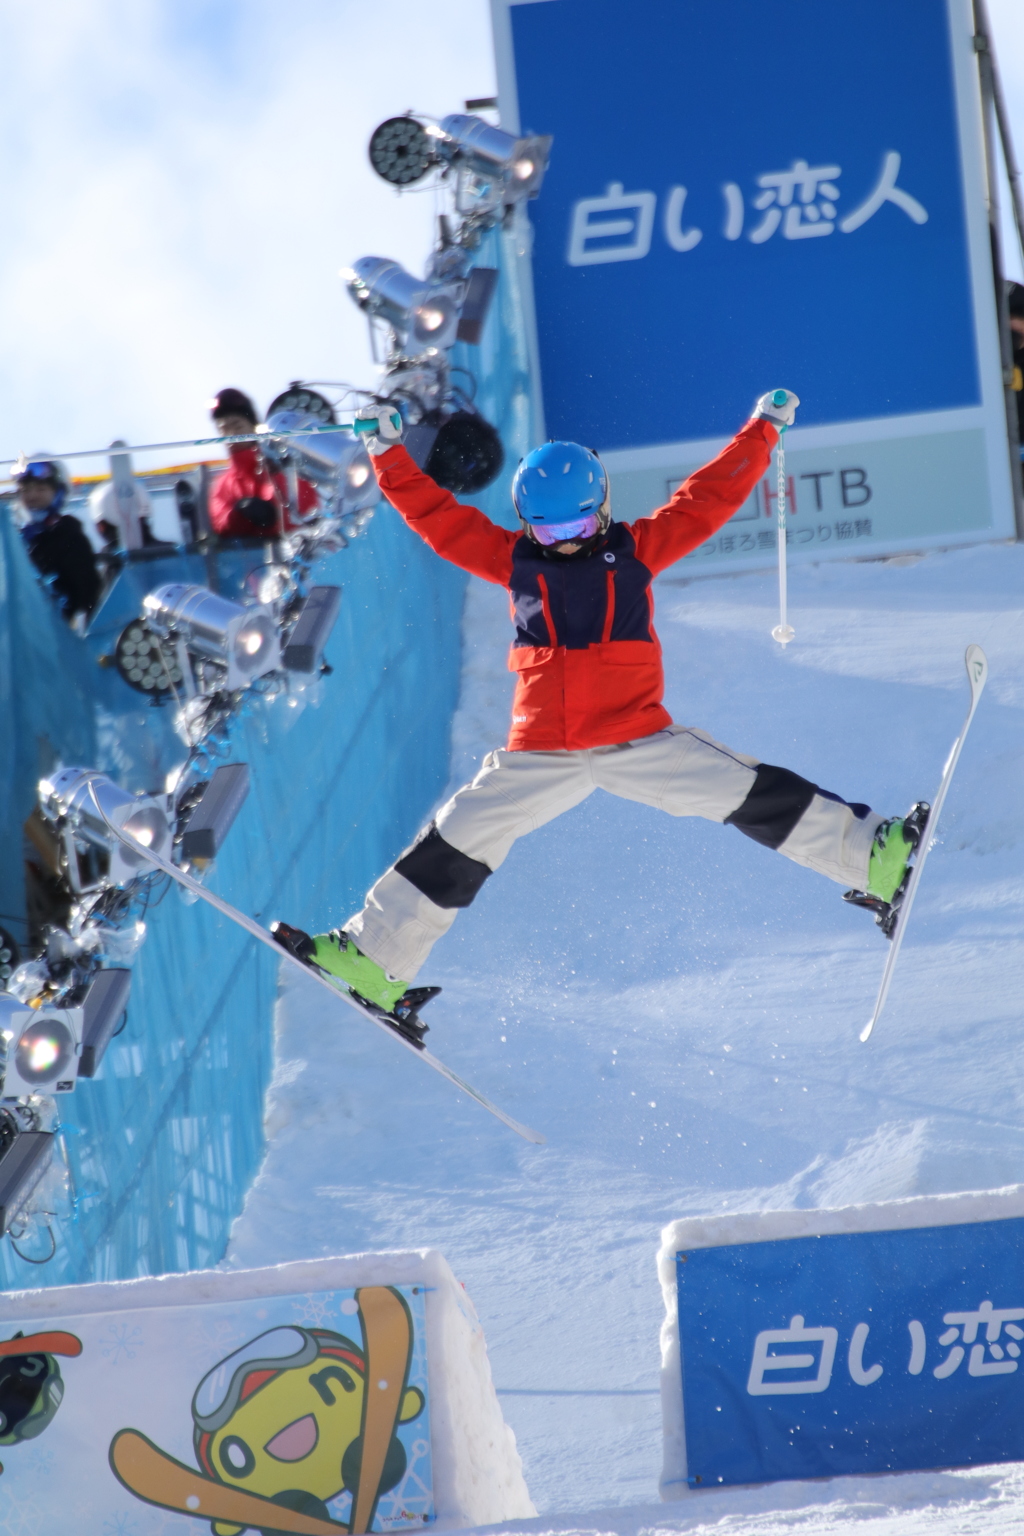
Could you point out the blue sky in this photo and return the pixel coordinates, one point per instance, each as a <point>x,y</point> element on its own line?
<point>181,183</point>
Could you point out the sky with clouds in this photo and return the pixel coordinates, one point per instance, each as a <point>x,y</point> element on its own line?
<point>182,183</point>
<point>182,180</point>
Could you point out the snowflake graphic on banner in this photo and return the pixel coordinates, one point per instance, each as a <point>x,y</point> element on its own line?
<point>121,1341</point>
<point>121,1525</point>
<point>22,1515</point>
<point>316,1310</point>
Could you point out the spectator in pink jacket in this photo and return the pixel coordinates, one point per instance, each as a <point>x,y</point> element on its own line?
<point>250,500</point>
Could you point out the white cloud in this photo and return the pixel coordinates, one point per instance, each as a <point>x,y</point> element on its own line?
<point>181,185</point>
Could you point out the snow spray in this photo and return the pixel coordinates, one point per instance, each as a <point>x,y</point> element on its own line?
<point>783,631</point>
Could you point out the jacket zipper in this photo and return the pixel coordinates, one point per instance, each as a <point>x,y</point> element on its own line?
<point>609,612</point>
<point>546,609</point>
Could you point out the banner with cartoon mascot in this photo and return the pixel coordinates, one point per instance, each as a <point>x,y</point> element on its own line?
<point>304,1414</point>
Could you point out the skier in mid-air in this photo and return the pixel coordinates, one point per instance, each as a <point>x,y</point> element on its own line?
<point>588,709</point>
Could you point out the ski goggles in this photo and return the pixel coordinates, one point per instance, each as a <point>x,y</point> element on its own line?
<point>39,469</point>
<point>561,533</point>
<point>220,1391</point>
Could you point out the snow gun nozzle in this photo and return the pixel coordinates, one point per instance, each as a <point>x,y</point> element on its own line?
<point>373,424</point>
<point>780,397</point>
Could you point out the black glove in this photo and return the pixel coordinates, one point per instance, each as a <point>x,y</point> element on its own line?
<point>262,514</point>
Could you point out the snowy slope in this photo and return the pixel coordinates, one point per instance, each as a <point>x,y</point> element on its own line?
<point>677,1009</point>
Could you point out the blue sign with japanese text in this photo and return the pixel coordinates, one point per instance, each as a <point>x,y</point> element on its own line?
<point>741,197</point>
<point>854,1352</point>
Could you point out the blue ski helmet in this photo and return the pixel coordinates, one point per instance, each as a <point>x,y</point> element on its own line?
<point>561,483</point>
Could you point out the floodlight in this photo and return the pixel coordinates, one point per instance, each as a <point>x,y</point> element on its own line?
<point>214,813</point>
<point>42,1046</point>
<point>299,397</point>
<point>401,152</point>
<point>424,315</point>
<point>10,955</point>
<point>85,804</point>
<point>312,629</point>
<point>245,641</point>
<point>466,454</point>
<point>336,462</point>
<point>103,1008</point>
<point>24,1158</point>
<point>519,163</point>
<point>147,662</point>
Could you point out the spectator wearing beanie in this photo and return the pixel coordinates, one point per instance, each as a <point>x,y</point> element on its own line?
<point>250,500</point>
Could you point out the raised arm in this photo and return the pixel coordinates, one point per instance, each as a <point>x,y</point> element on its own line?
<point>707,499</point>
<point>460,534</point>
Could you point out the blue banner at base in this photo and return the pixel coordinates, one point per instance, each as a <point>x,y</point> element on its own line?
<point>853,1351</point>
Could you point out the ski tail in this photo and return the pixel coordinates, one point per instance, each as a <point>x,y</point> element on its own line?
<point>367,1012</point>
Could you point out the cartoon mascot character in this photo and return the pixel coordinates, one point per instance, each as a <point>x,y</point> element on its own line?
<point>287,1423</point>
<point>31,1386</point>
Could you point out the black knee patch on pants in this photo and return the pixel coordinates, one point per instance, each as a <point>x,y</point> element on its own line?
<point>445,876</point>
<point>776,801</point>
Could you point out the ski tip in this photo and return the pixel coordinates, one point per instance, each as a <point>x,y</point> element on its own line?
<point>865,1033</point>
<point>976,663</point>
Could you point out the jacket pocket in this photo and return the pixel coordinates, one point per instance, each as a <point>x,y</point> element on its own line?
<point>522,657</point>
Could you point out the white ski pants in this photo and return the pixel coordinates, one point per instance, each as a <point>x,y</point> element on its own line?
<point>679,770</point>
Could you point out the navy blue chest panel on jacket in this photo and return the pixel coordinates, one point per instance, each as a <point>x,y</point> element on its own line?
<point>578,594</point>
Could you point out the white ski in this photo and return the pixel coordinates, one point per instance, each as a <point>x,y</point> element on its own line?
<point>977,676</point>
<point>266,938</point>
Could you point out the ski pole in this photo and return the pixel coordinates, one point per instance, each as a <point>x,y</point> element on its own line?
<point>360,428</point>
<point>373,424</point>
<point>783,631</point>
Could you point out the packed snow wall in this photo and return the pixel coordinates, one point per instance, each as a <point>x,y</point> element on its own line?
<point>163,1142</point>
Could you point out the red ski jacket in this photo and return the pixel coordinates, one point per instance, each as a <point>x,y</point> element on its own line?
<point>247,475</point>
<point>587,657</point>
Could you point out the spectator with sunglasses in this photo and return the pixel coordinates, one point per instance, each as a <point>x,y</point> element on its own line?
<point>57,543</point>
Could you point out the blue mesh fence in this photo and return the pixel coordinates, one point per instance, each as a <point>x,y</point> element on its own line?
<point>163,1143</point>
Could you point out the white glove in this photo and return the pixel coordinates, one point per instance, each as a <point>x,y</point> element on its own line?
<point>386,431</point>
<point>781,413</point>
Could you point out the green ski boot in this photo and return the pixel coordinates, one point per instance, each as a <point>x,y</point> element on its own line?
<point>889,866</point>
<point>336,955</point>
<point>890,853</point>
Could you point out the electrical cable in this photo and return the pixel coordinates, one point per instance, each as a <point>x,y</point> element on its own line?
<point>24,1256</point>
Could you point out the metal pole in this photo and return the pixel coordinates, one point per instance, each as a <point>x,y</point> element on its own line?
<point>783,631</point>
<point>989,107</point>
<point>359,428</point>
<point>983,32</point>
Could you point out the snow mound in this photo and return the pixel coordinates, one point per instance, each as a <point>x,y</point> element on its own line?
<point>677,1009</point>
